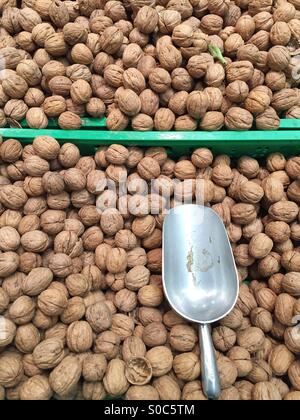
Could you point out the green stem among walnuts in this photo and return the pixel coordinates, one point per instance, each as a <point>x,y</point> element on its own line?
<point>216,53</point>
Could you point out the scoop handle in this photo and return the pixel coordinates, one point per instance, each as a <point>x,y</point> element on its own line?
<point>210,376</point>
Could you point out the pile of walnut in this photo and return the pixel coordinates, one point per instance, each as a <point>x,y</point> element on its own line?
<point>82,308</point>
<point>154,64</point>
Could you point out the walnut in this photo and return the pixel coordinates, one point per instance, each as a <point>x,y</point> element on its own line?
<point>265,391</point>
<point>8,331</point>
<point>260,245</point>
<point>293,374</point>
<point>49,353</point>
<point>115,381</point>
<point>167,388</point>
<point>224,338</point>
<point>280,359</point>
<point>11,371</point>
<point>138,371</point>
<point>161,360</point>
<point>240,70</point>
<point>94,367</point>
<point>69,121</point>
<point>284,309</point>
<point>107,343</point>
<point>150,295</point>
<point>64,378</point>
<point>79,337</point>
<point>37,280</point>
<point>164,119</point>
<point>228,372</point>
<point>36,388</point>
<point>242,359</point>
<point>193,391</point>
<point>183,338</point>
<point>285,211</point>
<point>238,119</point>
<point>197,104</point>
<point>262,319</point>
<point>52,302</point>
<point>140,392</point>
<point>243,213</point>
<point>187,366</point>
<point>251,339</point>
<point>133,347</point>
<point>159,80</point>
<point>132,54</point>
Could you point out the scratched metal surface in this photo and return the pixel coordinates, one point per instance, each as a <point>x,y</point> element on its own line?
<point>198,268</point>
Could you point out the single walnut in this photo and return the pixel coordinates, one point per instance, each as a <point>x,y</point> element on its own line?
<point>159,80</point>
<point>193,391</point>
<point>280,359</point>
<point>150,295</point>
<point>224,338</point>
<point>74,311</point>
<point>243,213</point>
<point>284,309</point>
<point>227,370</point>
<point>69,121</point>
<point>238,119</point>
<point>49,353</point>
<point>64,378</point>
<point>99,317</point>
<point>79,337</point>
<point>36,388</point>
<point>11,371</point>
<point>52,302</point>
<point>107,343</point>
<point>183,338</point>
<point>115,381</point>
<point>186,366</point>
<point>122,325</point>
<point>94,367</point>
<point>140,392</point>
<point>251,339</point>
<point>167,387</point>
<point>260,245</point>
<point>265,391</point>
<point>133,347</point>
<point>37,281</point>
<point>161,360</point>
<point>257,102</point>
<point>262,319</point>
<point>164,119</point>
<point>197,104</point>
<point>8,332</point>
<point>155,334</point>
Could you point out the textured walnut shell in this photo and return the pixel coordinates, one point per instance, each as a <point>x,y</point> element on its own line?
<point>94,367</point>
<point>79,337</point>
<point>99,317</point>
<point>36,281</point>
<point>65,376</point>
<point>161,360</point>
<point>240,70</point>
<point>11,371</point>
<point>146,20</point>
<point>115,381</point>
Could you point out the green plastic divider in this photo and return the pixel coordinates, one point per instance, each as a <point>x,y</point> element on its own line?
<point>234,143</point>
<point>101,123</point>
<point>86,123</point>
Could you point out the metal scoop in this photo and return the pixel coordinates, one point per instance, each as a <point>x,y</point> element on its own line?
<point>200,277</point>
